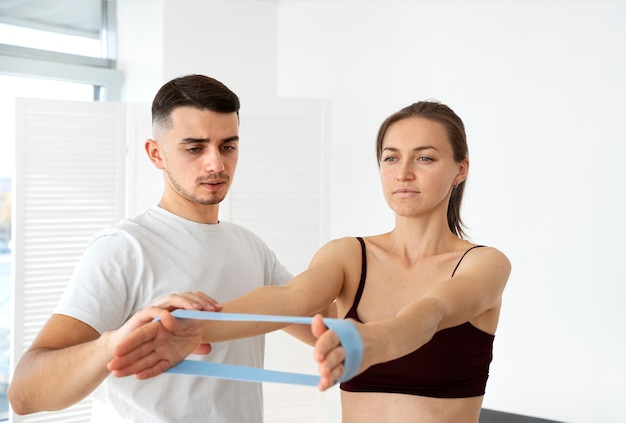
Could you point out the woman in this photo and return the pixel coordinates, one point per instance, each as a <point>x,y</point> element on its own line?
<point>428,299</point>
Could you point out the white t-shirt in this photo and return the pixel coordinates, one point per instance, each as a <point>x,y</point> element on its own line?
<point>156,253</point>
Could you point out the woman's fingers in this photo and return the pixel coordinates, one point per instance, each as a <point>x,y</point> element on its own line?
<point>328,353</point>
<point>188,301</point>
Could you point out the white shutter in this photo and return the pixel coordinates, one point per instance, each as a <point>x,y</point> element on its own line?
<point>280,186</point>
<point>279,192</point>
<point>69,184</point>
<point>144,181</point>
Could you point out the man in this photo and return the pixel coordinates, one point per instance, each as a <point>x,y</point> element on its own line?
<point>177,246</point>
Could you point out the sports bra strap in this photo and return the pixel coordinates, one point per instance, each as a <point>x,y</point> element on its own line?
<point>461,259</point>
<point>359,291</point>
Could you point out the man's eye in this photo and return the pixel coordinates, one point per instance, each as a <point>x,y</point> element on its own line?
<point>228,148</point>
<point>193,149</point>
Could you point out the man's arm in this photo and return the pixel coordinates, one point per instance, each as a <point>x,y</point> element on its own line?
<point>65,363</point>
<point>68,359</point>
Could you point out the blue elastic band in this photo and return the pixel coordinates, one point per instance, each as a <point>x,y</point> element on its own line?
<point>346,331</point>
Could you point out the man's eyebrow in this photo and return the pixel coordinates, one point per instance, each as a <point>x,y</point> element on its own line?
<point>190,140</point>
<point>234,138</point>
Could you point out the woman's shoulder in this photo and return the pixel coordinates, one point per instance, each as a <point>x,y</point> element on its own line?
<point>355,242</point>
<point>344,249</point>
<point>486,252</point>
<point>479,259</point>
<point>347,243</point>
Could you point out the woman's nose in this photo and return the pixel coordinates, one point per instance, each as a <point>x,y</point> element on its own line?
<point>405,172</point>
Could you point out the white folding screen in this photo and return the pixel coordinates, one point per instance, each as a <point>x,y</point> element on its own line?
<point>144,183</point>
<point>69,183</point>
<point>82,166</point>
<point>280,185</point>
<point>280,192</point>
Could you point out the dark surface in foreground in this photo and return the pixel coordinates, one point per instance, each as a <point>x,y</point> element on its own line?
<point>491,416</point>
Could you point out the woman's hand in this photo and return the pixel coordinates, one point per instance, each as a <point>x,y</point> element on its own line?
<point>328,353</point>
<point>188,301</point>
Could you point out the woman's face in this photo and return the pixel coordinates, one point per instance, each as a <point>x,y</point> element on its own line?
<point>417,167</point>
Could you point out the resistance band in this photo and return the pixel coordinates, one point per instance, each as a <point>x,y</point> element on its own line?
<point>346,331</point>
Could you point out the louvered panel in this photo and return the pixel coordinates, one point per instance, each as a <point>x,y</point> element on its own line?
<point>280,185</point>
<point>69,184</point>
<point>290,403</point>
<point>145,183</point>
<point>75,414</point>
<point>75,187</point>
<point>279,192</point>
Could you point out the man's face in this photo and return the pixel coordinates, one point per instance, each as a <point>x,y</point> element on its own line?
<point>199,154</point>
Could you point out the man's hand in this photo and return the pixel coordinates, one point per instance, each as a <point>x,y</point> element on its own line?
<point>149,348</point>
<point>190,301</point>
<point>157,346</point>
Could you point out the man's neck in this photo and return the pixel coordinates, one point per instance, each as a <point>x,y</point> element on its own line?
<point>207,214</point>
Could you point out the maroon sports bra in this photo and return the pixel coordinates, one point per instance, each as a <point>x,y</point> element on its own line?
<point>453,364</point>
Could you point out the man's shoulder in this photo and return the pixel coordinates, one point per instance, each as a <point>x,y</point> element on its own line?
<point>238,230</point>
<point>127,229</point>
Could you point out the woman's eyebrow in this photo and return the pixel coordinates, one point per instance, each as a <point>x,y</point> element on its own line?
<point>420,148</point>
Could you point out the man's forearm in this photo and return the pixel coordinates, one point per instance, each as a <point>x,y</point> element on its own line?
<point>47,380</point>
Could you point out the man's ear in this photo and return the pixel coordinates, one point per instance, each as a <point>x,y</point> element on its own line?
<point>153,149</point>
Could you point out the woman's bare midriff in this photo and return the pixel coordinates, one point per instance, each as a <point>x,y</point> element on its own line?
<point>374,407</point>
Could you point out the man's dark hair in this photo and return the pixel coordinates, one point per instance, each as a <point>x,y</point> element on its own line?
<point>198,91</point>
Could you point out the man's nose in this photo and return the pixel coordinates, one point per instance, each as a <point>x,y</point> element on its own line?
<point>213,161</point>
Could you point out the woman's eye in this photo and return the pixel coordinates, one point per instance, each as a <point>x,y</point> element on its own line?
<point>425,159</point>
<point>389,159</point>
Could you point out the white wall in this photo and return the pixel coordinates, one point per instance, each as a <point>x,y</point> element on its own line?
<point>541,88</point>
<point>233,41</point>
<point>140,48</point>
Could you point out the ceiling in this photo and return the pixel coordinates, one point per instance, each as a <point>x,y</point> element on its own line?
<point>74,17</point>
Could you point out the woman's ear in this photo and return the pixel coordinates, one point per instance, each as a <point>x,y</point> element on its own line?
<point>463,169</point>
<point>153,149</point>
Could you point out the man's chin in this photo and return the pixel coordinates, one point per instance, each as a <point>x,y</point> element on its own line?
<point>212,201</point>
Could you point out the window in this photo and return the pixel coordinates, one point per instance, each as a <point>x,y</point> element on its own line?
<point>49,49</point>
<point>63,40</point>
<point>76,27</point>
